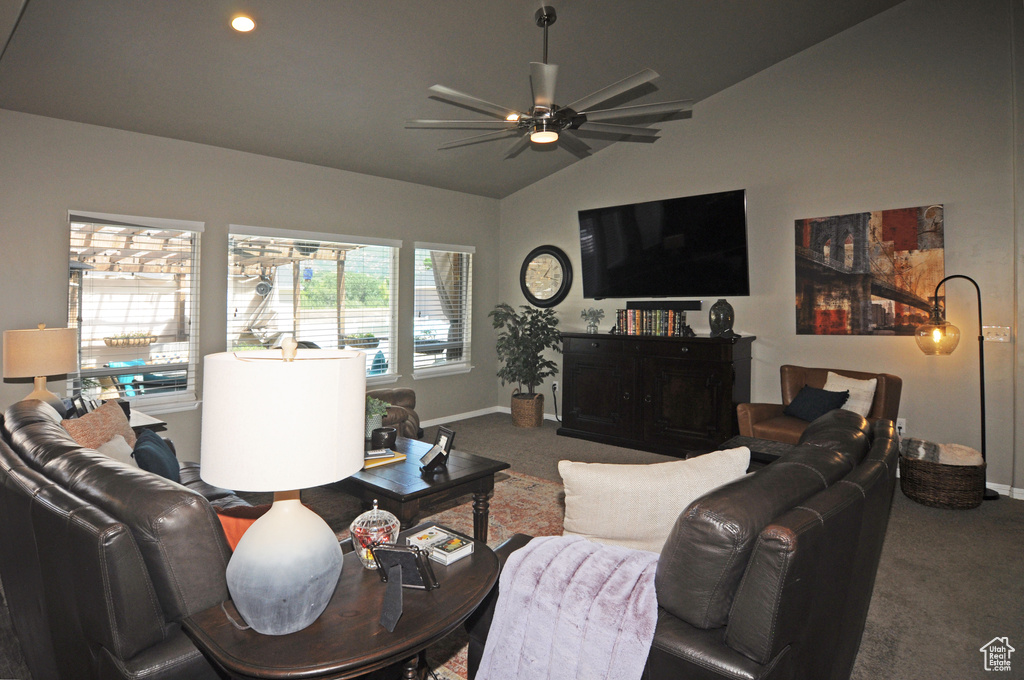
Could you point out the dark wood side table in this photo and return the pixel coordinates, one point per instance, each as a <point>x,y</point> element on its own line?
<point>348,641</point>
<point>762,451</point>
<point>401,488</point>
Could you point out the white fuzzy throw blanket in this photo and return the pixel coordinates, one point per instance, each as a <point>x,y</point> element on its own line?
<point>570,609</point>
<point>947,454</point>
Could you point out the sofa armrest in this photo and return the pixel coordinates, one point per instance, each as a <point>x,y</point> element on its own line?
<point>479,622</point>
<point>751,414</point>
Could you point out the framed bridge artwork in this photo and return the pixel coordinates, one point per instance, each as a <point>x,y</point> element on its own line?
<point>870,273</point>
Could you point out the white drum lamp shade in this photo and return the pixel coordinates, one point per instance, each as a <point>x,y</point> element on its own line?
<point>276,425</point>
<point>40,352</point>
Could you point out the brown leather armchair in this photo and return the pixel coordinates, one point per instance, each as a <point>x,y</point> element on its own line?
<point>767,421</point>
<point>401,412</point>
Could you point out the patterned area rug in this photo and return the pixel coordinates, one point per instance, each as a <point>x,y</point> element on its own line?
<point>520,505</point>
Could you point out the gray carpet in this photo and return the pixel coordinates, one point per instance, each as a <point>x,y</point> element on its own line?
<point>948,581</point>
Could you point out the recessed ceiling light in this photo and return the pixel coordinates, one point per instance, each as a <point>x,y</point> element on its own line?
<point>243,24</point>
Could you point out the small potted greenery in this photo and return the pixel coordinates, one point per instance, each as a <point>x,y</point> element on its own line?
<point>522,340</point>
<point>375,412</point>
<point>362,341</point>
<point>592,316</point>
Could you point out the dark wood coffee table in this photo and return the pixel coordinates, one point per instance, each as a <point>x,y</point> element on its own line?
<point>348,641</point>
<point>402,489</point>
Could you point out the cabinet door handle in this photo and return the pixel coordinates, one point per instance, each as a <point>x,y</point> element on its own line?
<point>625,396</point>
<point>684,350</point>
<point>594,345</point>
<point>648,399</point>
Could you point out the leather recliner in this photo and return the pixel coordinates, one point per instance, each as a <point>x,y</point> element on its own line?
<point>768,421</point>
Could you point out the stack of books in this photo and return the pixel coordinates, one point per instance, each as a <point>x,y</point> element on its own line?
<point>668,323</point>
<point>377,457</point>
<point>441,545</point>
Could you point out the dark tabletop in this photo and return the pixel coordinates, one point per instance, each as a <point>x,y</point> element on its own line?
<point>404,481</point>
<point>348,639</point>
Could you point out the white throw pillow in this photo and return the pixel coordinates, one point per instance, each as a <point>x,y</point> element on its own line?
<point>862,392</point>
<point>118,449</point>
<point>636,506</point>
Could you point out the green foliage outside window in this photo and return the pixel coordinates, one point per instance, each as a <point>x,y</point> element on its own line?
<point>361,290</point>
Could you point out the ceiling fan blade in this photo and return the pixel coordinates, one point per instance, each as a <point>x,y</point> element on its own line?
<point>519,145</point>
<point>613,129</point>
<point>542,82</point>
<point>573,144</point>
<point>460,124</point>
<point>471,101</point>
<point>477,139</point>
<point>641,110</point>
<point>613,90</point>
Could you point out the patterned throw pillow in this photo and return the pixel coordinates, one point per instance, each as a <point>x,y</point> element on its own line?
<point>95,429</point>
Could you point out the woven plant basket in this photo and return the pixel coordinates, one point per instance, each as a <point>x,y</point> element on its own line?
<point>953,487</point>
<point>527,411</point>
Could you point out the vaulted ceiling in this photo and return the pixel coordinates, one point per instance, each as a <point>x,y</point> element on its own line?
<point>332,82</point>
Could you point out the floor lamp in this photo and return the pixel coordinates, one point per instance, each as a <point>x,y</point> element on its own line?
<point>939,337</point>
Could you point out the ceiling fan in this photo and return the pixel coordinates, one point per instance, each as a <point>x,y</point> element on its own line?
<point>545,122</point>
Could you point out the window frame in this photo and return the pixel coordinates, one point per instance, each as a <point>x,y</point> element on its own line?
<point>243,230</point>
<point>464,364</point>
<point>163,402</point>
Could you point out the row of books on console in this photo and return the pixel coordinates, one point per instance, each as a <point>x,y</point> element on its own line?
<point>670,323</point>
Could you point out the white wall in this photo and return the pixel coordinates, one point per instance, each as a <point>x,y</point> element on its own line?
<point>910,108</point>
<point>48,166</point>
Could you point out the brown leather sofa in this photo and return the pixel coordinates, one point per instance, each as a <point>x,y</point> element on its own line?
<point>767,421</point>
<point>101,561</point>
<point>402,411</point>
<point>770,576</point>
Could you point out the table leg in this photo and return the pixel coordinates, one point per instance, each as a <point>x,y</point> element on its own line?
<point>481,512</point>
<point>410,671</point>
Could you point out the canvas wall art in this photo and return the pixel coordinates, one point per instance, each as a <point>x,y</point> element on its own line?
<point>870,273</point>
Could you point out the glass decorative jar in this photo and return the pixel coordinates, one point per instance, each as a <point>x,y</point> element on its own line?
<point>373,527</point>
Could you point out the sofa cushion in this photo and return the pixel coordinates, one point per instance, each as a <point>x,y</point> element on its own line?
<point>862,392</point>
<point>636,506</point>
<point>154,455</point>
<point>811,403</point>
<point>707,551</point>
<point>97,428</point>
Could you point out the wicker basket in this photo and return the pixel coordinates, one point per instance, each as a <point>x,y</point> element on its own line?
<point>954,487</point>
<point>527,410</point>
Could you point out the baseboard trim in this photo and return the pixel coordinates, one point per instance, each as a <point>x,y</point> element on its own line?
<point>473,414</point>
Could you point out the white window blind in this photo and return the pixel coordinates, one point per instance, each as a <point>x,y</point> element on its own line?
<point>327,290</point>
<point>134,296</point>
<point>443,307</point>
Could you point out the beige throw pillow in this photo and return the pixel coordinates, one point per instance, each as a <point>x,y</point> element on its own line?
<point>636,506</point>
<point>97,428</point>
<point>118,449</point>
<point>862,392</point>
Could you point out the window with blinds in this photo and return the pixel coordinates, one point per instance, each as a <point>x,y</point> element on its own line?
<point>443,305</point>
<point>133,295</point>
<point>325,290</point>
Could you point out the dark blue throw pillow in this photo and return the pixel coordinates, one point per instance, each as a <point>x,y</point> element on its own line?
<point>811,403</point>
<point>154,455</point>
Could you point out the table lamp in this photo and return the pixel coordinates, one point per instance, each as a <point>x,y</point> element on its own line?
<point>938,337</point>
<point>274,422</point>
<point>38,353</point>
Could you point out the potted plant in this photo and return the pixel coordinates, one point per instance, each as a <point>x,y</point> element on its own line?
<point>522,339</point>
<point>375,412</point>
<point>362,341</point>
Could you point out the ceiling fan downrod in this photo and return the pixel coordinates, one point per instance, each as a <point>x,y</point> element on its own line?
<point>545,16</point>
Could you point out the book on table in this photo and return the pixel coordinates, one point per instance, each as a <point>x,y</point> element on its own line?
<point>442,545</point>
<point>377,457</point>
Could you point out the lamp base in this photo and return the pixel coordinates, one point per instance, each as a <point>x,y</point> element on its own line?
<point>991,494</point>
<point>285,568</point>
<point>40,392</point>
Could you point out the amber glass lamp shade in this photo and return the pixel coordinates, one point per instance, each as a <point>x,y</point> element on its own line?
<point>938,336</point>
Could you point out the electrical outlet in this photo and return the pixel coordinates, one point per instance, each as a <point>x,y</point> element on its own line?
<point>554,385</point>
<point>901,426</point>
<point>996,333</point>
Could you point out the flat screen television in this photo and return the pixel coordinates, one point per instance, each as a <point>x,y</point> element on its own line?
<point>694,246</point>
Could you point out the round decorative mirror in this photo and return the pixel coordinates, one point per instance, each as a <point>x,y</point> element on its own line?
<point>546,276</point>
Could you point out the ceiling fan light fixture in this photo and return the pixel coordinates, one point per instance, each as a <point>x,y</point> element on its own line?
<point>543,133</point>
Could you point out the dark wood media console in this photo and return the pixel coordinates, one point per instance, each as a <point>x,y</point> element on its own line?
<point>667,395</point>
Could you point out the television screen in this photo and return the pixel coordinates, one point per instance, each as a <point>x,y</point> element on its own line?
<point>695,246</point>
